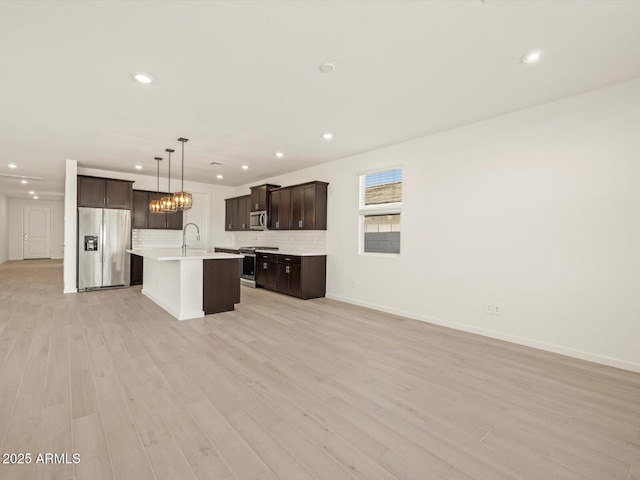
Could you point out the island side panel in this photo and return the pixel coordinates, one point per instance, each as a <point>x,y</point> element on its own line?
<point>160,283</point>
<point>191,289</point>
<point>220,285</point>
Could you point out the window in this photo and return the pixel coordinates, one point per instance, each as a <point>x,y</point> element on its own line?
<point>380,205</point>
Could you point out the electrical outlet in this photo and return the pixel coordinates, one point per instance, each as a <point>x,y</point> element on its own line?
<point>488,308</point>
<point>493,308</point>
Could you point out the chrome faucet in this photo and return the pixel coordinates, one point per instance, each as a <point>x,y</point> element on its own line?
<point>184,236</point>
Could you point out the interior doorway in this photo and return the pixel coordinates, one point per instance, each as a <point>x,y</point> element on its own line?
<point>36,232</point>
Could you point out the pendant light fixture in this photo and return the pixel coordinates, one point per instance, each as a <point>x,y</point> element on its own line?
<point>182,199</point>
<point>167,203</point>
<point>155,205</point>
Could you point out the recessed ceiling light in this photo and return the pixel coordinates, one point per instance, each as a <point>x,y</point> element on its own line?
<point>143,77</point>
<point>327,67</point>
<point>138,167</point>
<point>219,176</point>
<point>532,57</point>
<point>279,154</point>
<point>327,135</point>
<point>245,167</point>
<point>31,192</point>
<point>35,197</point>
<point>12,165</point>
<point>23,181</point>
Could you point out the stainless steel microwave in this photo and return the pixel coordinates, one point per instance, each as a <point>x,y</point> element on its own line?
<point>258,220</point>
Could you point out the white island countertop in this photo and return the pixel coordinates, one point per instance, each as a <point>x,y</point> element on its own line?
<point>171,254</point>
<point>192,284</point>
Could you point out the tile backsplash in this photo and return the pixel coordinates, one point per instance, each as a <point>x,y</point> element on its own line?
<point>311,241</point>
<point>143,238</point>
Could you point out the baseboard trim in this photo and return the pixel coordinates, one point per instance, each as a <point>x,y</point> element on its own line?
<point>72,290</point>
<point>548,347</point>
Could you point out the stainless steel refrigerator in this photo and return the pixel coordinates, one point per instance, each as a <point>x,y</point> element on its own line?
<point>104,235</point>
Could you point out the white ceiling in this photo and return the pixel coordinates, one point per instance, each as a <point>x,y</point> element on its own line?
<point>241,79</point>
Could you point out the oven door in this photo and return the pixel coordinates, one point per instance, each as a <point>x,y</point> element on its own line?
<point>249,266</point>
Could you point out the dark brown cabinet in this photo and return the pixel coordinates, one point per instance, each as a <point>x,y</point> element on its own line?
<point>173,221</point>
<point>100,192</point>
<point>289,279</point>
<point>280,209</point>
<point>140,209</point>
<point>298,276</point>
<point>220,284</point>
<point>267,270</point>
<point>237,212</point>
<point>300,207</point>
<point>244,211</point>
<point>260,197</point>
<point>136,272</point>
<point>143,218</point>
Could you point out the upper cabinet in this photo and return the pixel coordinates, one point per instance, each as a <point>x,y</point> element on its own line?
<point>104,192</point>
<point>299,207</point>
<point>143,218</point>
<point>140,209</point>
<point>237,211</point>
<point>279,217</point>
<point>260,197</point>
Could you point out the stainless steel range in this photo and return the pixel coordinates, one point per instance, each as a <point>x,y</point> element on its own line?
<point>248,275</point>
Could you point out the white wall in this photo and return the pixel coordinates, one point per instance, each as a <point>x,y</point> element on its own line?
<point>538,210</point>
<point>16,217</point>
<point>4,229</point>
<point>70,226</point>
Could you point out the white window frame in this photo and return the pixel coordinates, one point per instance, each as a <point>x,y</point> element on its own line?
<point>394,208</point>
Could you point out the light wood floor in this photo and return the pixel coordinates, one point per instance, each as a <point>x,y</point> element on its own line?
<point>289,389</point>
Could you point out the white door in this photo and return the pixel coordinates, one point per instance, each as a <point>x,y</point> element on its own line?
<point>36,232</point>
<point>197,214</point>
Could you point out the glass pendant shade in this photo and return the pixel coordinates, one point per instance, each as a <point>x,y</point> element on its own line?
<point>182,200</point>
<point>154,205</point>
<point>167,205</point>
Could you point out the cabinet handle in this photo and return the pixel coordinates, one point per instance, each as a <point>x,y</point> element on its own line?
<point>243,226</point>
<point>229,226</point>
<point>286,269</point>
<point>264,265</point>
<point>288,259</point>
<point>277,224</point>
<point>300,223</point>
<point>256,206</point>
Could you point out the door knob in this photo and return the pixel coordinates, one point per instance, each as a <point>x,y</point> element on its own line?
<point>25,236</point>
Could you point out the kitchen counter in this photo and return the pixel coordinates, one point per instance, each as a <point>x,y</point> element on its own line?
<point>281,251</point>
<point>190,285</point>
<point>167,254</point>
<point>297,253</point>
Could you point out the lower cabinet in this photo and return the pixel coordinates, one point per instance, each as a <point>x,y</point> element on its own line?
<point>220,285</point>
<point>267,274</point>
<point>298,276</point>
<point>136,270</point>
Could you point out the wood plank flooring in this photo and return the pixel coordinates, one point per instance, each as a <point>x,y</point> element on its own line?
<point>289,389</point>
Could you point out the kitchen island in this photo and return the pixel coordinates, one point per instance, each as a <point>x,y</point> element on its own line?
<point>192,284</point>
